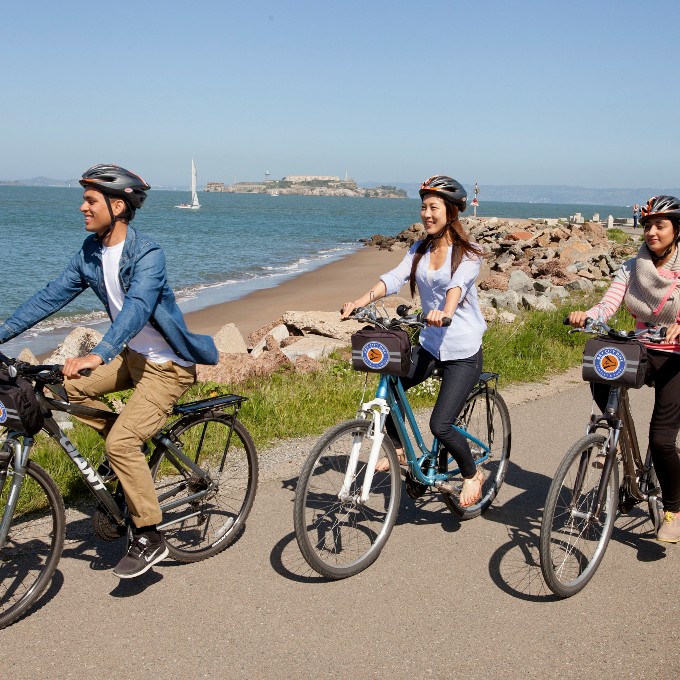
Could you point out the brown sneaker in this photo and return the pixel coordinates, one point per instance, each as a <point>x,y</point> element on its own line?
<point>669,531</point>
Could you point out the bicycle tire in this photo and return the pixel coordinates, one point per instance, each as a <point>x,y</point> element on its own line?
<point>219,517</point>
<point>497,435</point>
<point>571,547</point>
<point>34,544</point>
<point>357,532</point>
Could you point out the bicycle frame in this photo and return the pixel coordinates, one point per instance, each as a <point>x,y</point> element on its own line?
<point>618,420</point>
<point>391,397</point>
<point>23,444</point>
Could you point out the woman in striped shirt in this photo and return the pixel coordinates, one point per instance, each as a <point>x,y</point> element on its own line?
<point>648,285</point>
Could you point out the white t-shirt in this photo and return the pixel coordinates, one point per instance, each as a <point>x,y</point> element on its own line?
<point>148,342</point>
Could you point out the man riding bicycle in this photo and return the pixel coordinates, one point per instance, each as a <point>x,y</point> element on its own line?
<point>148,346</point>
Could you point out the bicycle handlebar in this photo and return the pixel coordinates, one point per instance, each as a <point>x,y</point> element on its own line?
<point>46,373</point>
<point>651,333</point>
<point>369,313</point>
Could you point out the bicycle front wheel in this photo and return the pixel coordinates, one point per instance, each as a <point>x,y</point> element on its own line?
<point>340,537</point>
<point>573,542</point>
<point>220,445</point>
<point>35,541</point>
<point>485,416</point>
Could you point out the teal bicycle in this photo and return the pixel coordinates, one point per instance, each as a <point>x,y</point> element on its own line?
<point>345,509</point>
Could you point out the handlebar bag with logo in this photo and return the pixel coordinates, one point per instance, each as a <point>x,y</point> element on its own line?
<point>19,408</point>
<point>615,362</point>
<point>375,350</point>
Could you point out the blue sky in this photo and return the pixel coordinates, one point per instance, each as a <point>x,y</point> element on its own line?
<point>500,92</point>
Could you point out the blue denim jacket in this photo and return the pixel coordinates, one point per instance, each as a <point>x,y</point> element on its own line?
<point>148,298</point>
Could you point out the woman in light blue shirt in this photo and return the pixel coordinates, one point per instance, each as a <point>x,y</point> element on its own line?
<point>443,267</point>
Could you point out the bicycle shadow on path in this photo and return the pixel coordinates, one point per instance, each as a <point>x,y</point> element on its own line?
<point>515,566</point>
<point>287,561</point>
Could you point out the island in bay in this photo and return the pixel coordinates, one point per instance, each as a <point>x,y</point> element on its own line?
<point>307,185</point>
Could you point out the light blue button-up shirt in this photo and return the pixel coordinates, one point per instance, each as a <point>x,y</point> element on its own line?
<point>463,337</point>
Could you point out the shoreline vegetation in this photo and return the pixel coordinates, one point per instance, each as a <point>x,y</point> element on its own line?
<point>304,396</point>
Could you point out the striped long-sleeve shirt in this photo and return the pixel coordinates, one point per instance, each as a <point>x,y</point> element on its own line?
<point>609,304</point>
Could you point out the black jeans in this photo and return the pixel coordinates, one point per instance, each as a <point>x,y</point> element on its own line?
<point>458,378</point>
<point>664,370</point>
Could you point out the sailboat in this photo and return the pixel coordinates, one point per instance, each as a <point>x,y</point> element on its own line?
<point>194,205</point>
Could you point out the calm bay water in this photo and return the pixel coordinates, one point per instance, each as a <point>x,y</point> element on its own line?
<point>233,245</point>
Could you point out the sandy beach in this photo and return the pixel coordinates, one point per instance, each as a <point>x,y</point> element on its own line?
<point>323,289</point>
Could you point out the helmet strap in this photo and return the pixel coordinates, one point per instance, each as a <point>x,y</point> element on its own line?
<point>104,234</point>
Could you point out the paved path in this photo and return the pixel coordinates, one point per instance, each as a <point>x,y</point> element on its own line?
<point>445,599</point>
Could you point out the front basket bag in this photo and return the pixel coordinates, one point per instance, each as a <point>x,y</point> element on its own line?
<point>615,362</point>
<point>375,350</point>
<point>19,407</point>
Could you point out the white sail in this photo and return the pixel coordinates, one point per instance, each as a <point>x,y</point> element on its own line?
<point>194,205</point>
<point>194,196</point>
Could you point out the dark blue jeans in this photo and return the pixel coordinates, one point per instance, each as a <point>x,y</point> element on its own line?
<point>458,379</point>
<point>664,371</point>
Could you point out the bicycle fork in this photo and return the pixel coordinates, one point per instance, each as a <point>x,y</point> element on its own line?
<point>379,412</point>
<point>20,454</point>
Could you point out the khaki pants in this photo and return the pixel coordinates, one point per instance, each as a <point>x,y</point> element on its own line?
<point>157,387</point>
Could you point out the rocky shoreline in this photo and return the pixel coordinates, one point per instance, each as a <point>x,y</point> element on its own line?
<point>529,264</point>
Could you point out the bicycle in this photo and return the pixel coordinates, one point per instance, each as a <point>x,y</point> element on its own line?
<point>204,466</point>
<point>345,510</point>
<point>585,494</point>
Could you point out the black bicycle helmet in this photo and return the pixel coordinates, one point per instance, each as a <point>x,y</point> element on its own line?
<point>661,206</point>
<point>112,180</point>
<point>447,188</point>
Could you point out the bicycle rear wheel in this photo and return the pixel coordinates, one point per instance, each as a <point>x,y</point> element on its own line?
<point>572,542</point>
<point>485,417</point>
<point>35,541</point>
<point>224,450</point>
<point>340,538</point>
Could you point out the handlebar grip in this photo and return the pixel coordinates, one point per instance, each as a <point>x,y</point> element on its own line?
<point>662,332</point>
<point>565,321</point>
<point>446,321</point>
<point>84,372</point>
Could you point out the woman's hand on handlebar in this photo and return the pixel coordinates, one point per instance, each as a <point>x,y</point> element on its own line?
<point>577,319</point>
<point>73,367</point>
<point>347,309</point>
<point>436,317</point>
<point>672,334</point>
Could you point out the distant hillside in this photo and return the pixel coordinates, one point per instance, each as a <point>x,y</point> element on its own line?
<point>546,193</point>
<point>40,182</point>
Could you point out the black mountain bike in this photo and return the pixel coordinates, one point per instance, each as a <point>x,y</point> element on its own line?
<point>203,462</point>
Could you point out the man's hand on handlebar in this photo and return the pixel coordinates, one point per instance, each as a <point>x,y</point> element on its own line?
<point>73,367</point>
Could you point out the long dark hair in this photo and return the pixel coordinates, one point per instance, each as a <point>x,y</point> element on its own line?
<point>460,244</point>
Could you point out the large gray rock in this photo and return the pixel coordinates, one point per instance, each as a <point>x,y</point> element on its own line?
<point>520,282</point>
<point>327,324</point>
<point>79,342</point>
<point>508,299</point>
<point>315,347</point>
<point>279,333</point>
<point>230,341</point>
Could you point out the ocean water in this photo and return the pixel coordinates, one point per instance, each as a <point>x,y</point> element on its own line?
<point>233,245</point>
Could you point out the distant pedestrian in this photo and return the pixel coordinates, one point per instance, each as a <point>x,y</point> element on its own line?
<point>636,215</point>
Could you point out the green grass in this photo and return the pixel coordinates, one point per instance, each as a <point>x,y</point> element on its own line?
<point>619,236</point>
<point>288,404</point>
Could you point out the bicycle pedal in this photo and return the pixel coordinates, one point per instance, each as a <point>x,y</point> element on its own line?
<point>105,471</point>
<point>449,487</point>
